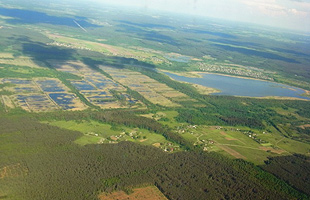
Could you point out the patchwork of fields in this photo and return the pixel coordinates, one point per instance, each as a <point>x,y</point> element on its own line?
<point>95,87</point>
<point>47,94</point>
<point>152,90</point>
<point>39,95</point>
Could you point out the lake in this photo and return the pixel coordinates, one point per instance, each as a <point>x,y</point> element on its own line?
<point>234,86</point>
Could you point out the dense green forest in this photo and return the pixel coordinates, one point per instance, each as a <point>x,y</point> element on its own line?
<point>42,162</point>
<point>293,169</point>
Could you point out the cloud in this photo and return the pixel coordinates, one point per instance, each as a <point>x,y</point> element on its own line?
<point>267,7</point>
<point>301,1</point>
<point>297,12</point>
<point>275,9</point>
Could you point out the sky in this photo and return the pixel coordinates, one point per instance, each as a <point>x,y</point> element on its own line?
<point>289,14</point>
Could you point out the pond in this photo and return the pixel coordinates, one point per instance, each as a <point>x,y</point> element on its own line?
<point>234,86</point>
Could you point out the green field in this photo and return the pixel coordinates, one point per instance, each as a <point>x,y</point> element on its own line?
<point>99,133</point>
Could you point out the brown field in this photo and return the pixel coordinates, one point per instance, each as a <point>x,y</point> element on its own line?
<point>174,94</point>
<point>112,104</point>
<point>305,126</point>
<point>180,99</point>
<point>231,151</point>
<point>281,98</point>
<point>146,193</point>
<point>20,61</point>
<point>6,55</point>
<point>223,133</point>
<point>156,145</point>
<point>78,105</point>
<point>307,92</point>
<point>113,138</point>
<point>147,87</point>
<point>228,138</point>
<point>13,171</point>
<point>148,115</point>
<point>7,101</point>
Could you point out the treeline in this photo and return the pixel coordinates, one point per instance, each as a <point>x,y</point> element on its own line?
<point>122,117</point>
<point>53,167</point>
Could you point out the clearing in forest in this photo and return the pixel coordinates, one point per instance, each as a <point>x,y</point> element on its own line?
<point>231,152</point>
<point>13,171</point>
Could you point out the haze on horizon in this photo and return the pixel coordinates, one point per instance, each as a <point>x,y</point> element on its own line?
<point>288,14</point>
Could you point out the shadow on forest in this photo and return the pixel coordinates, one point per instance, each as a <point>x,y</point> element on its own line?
<point>147,34</point>
<point>41,53</point>
<point>118,62</point>
<point>250,52</point>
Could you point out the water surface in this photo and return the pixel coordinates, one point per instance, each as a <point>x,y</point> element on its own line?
<point>233,86</point>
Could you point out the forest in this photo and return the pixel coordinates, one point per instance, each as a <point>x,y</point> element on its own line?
<point>42,162</point>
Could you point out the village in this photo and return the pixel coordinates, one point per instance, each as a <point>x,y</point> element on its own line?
<point>234,71</point>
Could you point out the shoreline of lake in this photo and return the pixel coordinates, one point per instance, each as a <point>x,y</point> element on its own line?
<point>273,90</point>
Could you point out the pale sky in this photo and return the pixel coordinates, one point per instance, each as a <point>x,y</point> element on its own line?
<point>290,14</point>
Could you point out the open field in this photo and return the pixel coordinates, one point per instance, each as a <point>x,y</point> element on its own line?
<point>166,118</point>
<point>19,61</point>
<point>7,102</point>
<point>41,95</point>
<point>95,86</point>
<point>35,102</point>
<point>99,133</point>
<point>231,151</point>
<point>6,55</point>
<point>305,126</point>
<point>156,57</point>
<point>152,90</point>
<point>146,193</point>
<point>251,145</point>
<point>14,170</point>
<point>51,85</point>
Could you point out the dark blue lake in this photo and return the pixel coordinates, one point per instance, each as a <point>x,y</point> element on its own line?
<point>233,86</point>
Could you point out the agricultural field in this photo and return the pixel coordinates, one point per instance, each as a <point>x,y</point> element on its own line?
<point>96,87</point>
<point>152,90</point>
<point>9,59</point>
<point>244,143</point>
<point>14,170</point>
<point>145,193</point>
<point>142,54</point>
<point>39,95</point>
<point>100,133</point>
